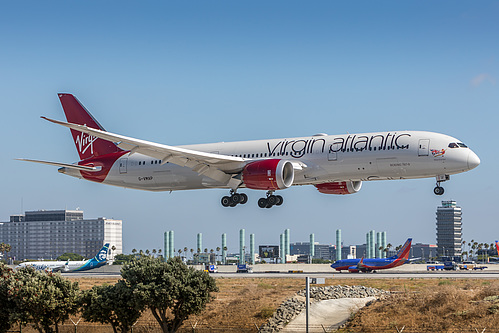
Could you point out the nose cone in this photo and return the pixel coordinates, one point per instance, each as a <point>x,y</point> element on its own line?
<point>473,160</point>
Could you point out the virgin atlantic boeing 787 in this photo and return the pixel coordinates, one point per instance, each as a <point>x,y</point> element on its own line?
<point>334,164</point>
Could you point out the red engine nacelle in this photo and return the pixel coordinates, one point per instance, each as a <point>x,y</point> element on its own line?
<point>271,174</point>
<point>348,187</point>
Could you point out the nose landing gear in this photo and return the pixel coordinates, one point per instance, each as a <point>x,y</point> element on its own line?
<point>270,200</point>
<point>439,190</point>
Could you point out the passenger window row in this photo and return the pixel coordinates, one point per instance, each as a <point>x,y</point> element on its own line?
<point>152,162</point>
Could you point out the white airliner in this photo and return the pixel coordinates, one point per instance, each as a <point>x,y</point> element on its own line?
<point>100,259</point>
<point>334,164</point>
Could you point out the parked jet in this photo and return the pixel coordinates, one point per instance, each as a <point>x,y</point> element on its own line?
<point>334,164</point>
<point>370,265</point>
<point>70,266</point>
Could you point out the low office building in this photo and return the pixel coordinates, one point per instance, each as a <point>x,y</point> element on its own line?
<point>46,234</point>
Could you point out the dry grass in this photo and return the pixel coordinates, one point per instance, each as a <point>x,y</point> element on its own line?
<point>418,304</point>
<point>441,306</point>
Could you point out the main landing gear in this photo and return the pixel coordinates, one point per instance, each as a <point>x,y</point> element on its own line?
<point>234,199</point>
<point>241,198</point>
<point>439,190</point>
<point>270,200</point>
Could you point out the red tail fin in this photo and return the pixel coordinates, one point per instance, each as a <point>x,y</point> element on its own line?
<point>86,145</point>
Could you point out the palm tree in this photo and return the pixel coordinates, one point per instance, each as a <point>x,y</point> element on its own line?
<point>225,252</point>
<point>380,250</point>
<point>218,250</point>
<point>134,251</point>
<point>7,249</point>
<point>147,251</point>
<point>179,252</point>
<point>192,253</point>
<point>154,252</point>
<point>113,248</point>
<point>3,246</point>
<point>486,245</point>
<point>206,250</point>
<point>387,248</point>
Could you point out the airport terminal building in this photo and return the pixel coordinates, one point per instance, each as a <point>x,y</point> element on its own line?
<point>46,234</point>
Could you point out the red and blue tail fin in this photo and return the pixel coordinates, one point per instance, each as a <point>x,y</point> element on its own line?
<point>86,145</point>
<point>404,250</point>
<point>497,248</point>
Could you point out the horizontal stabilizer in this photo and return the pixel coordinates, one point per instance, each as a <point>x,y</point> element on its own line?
<point>64,165</point>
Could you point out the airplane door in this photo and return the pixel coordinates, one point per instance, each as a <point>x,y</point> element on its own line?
<point>424,146</point>
<point>123,163</point>
<point>332,156</point>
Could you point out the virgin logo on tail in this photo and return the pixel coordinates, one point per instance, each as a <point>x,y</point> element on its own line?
<point>84,141</point>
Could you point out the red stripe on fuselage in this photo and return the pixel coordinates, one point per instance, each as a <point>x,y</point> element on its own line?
<point>106,162</point>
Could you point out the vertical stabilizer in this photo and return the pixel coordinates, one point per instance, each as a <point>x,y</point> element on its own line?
<point>404,250</point>
<point>102,255</point>
<point>86,145</point>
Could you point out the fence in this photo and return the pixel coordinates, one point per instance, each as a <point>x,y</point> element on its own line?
<point>153,327</point>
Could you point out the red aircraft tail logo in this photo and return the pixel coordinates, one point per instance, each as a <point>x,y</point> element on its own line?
<point>87,145</point>
<point>84,142</point>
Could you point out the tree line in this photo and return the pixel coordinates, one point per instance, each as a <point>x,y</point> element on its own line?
<point>171,290</point>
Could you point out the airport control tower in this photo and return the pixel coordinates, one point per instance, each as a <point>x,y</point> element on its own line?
<point>449,229</point>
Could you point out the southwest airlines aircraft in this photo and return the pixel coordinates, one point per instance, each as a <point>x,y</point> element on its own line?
<point>334,164</point>
<point>371,265</point>
<point>70,266</point>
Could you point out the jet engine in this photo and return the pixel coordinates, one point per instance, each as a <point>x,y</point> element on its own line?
<point>353,269</point>
<point>273,174</point>
<point>347,187</point>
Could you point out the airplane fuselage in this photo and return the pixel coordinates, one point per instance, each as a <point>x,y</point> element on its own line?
<point>316,159</point>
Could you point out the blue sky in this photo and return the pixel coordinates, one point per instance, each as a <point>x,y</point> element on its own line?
<point>193,72</point>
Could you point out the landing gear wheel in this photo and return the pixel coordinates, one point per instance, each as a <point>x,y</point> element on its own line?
<point>234,204</point>
<point>226,201</point>
<point>262,203</point>
<point>279,200</point>
<point>438,190</point>
<point>236,198</point>
<point>243,198</point>
<point>272,200</point>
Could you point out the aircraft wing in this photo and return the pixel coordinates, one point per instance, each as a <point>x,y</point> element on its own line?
<point>64,165</point>
<point>215,166</point>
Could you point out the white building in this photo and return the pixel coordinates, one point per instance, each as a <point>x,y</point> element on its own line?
<point>46,234</point>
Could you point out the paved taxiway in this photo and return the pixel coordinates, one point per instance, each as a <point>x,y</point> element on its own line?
<point>412,271</point>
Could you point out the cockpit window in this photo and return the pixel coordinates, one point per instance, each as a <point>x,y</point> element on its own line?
<point>457,145</point>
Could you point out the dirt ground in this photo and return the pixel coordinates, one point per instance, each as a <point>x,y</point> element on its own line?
<point>243,304</point>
